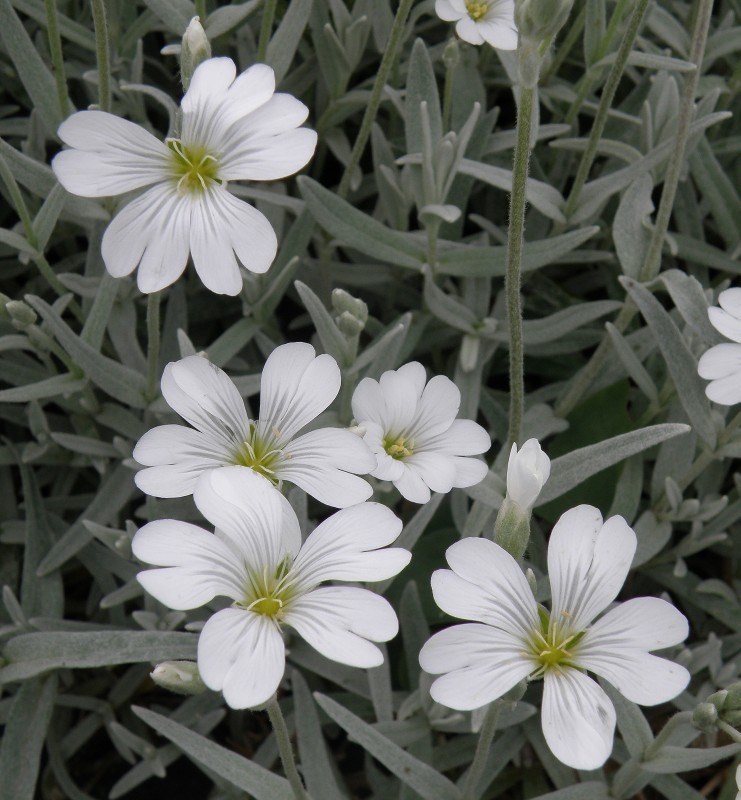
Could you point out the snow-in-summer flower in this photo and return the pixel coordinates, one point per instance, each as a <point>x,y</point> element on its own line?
<point>231,129</point>
<point>256,559</point>
<point>527,471</point>
<point>411,427</point>
<point>296,386</point>
<point>512,637</point>
<point>479,21</point>
<point>721,365</point>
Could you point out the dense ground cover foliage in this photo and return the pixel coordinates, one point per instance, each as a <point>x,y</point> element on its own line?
<point>243,297</point>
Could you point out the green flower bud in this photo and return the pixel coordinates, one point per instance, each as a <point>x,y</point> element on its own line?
<point>21,315</point>
<point>194,49</point>
<point>512,528</point>
<point>541,20</point>
<point>705,717</point>
<point>349,325</point>
<point>179,676</point>
<point>344,301</point>
<point>451,54</point>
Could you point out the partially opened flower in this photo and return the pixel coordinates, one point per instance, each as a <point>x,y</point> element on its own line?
<point>721,365</point>
<point>479,21</point>
<point>527,471</point>
<point>296,386</point>
<point>256,559</point>
<point>411,426</point>
<point>512,637</point>
<point>231,129</point>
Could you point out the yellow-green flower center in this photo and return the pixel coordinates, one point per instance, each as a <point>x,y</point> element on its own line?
<point>552,646</point>
<point>261,455</point>
<point>193,168</point>
<point>399,447</point>
<point>476,10</point>
<point>270,593</point>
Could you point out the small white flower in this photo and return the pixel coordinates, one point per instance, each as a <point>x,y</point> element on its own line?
<point>722,364</point>
<point>256,559</point>
<point>527,472</point>
<point>231,130</point>
<point>513,638</point>
<point>296,386</point>
<point>411,427</point>
<point>479,21</point>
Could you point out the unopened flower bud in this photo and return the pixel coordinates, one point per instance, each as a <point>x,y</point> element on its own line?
<point>451,54</point>
<point>195,49</point>
<point>705,717</point>
<point>344,301</point>
<point>21,314</point>
<point>541,20</point>
<point>527,472</point>
<point>349,325</point>
<point>179,676</point>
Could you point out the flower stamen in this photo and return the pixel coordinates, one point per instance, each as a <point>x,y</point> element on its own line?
<point>399,447</point>
<point>476,10</point>
<point>194,168</point>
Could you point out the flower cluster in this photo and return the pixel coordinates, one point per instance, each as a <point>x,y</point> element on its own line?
<point>407,432</point>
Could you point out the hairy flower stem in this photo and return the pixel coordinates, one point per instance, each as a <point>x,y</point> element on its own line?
<point>605,103</point>
<point>284,748</point>
<point>486,734</point>
<point>652,263</point>
<point>153,342</point>
<point>102,54</point>
<point>374,102</point>
<point>57,58</point>
<point>514,262</point>
<point>266,28</point>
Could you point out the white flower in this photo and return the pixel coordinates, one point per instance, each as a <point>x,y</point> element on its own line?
<point>256,559</point>
<point>412,429</point>
<point>527,472</point>
<point>479,21</point>
<point>722,363</point>
<point>231,130</point>
<point>296,386</point>
<point>738,781</point>
<point>513,638</point>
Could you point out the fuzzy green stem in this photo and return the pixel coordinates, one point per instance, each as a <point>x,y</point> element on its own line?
<point>374,102</point>
<point>652,264</point>
<point>266,28</point>
<point>201,10</point>
<point>729,730</point>
<point>57,58</point>
<point>486,734</point>
<point>448,93</point>
<point>605,103</point>
<point>153,342</point>
<point>102,54</point>
<point>284,748</point>
<point>515,236</point>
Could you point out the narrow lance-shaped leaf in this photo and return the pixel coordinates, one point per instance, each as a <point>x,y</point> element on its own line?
<point>423,778</point>
<point>680,361</point>
<point>239,771</point>
<point>575,467</point>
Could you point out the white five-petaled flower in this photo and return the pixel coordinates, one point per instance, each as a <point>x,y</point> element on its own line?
<point>256,558</point>
<point>479,21</point>
<point>231,129</point>
<point>721,365</point>
<point>411,427</point>
<point>527,472</point>
<point>512,637</point>
<point>296,386</point>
